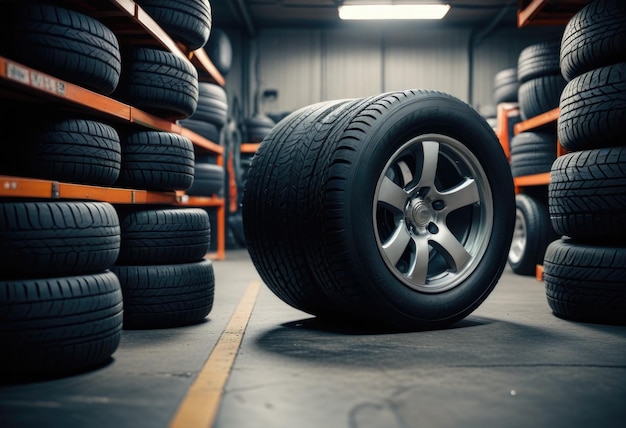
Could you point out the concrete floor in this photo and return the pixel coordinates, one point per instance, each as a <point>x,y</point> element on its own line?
<point>511,363</point>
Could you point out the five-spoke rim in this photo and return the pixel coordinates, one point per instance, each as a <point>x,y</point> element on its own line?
<point>433,213</point>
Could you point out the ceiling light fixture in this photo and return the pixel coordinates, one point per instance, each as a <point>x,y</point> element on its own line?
<point>393,11</point>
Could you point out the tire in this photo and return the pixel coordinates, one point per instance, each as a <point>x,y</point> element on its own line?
<point>366,200</point>
<point>162,235</point>
<point>532,153</point>
<point>506,86</point>
<point>212,104</point>
<point>40,239</point>
<point>538,60</point>
<point>235,226</point>
<point>209,180</point>
<point>587,195</point>
<point>540,95</point>
<point>63,43</point>
<point>68,149</point>
<point>207,130</point>
<point>58,326</point>
<point>158,82</point>
<point>220,50</point>
<point>593,109</point>
<point>533,233</point>
<point>257,127</point>
<point>275,215</point>
<point>593,38</point>
<point>186,21</point>
<point>155,160</point>
<point>164,296</point>
<point>586,282</point>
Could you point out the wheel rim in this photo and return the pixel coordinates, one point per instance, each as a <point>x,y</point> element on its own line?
<point>433,213</point>
<point>518,244</point>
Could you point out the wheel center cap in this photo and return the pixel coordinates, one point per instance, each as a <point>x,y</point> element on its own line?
<point>420,213</point>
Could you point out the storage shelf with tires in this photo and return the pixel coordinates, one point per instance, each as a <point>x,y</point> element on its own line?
<point>34,85</point>
<point>25,83</point>
<point>532,229</point>
<point>93,192</point>
<point>583,266</point>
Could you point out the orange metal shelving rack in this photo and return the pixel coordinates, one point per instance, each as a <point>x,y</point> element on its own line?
<point>126,19</point>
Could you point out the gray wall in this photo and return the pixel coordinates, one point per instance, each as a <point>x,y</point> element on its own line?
<point>310,65</point>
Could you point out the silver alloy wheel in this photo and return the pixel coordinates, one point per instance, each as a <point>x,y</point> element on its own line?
<point>518,244</point>
<point>433,213</point>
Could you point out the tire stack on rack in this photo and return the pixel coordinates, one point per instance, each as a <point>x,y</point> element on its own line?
<point>60,304</point>
<point>208,120</point>
<point>165,279</point>
<point>532,152</point>
<point>585,270</point>
<point>70,268</point>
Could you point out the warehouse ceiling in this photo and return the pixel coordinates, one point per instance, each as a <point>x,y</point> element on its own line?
<point>253,15</point>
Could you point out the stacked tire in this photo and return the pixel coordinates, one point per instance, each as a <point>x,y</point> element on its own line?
<point>585,270</point>
<point>155,160</point>
<point>64,268</point>
<point>532,152</point>
<point>394,210</point>
<point>65,43</point>
<point>506,86</point>
<point>540,79</point>
<point>60,304</point>
<point>505,89</point>
<point>208,120</point>
<point>540,87</point>
<point>165,279</point>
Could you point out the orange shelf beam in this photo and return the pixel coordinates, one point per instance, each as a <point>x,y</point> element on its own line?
<point>532,180</point>
<point>504,112</point>
<point>34,80</point>
<point>205,143</point>
<point>526,14</point>
<point>537,121</point>
<point>11,186</point>
<point>539,273</point>
<point>547,12</point>
<point>249,147</point>
<point>200,57</point>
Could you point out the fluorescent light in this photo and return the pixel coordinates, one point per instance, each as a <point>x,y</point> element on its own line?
<point>394,11</point>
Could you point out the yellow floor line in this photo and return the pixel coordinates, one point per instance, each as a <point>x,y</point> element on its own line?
<point>201,404</point>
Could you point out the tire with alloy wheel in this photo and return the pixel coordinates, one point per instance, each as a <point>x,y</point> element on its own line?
<point>533,232</point>
<point>409,209</point>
